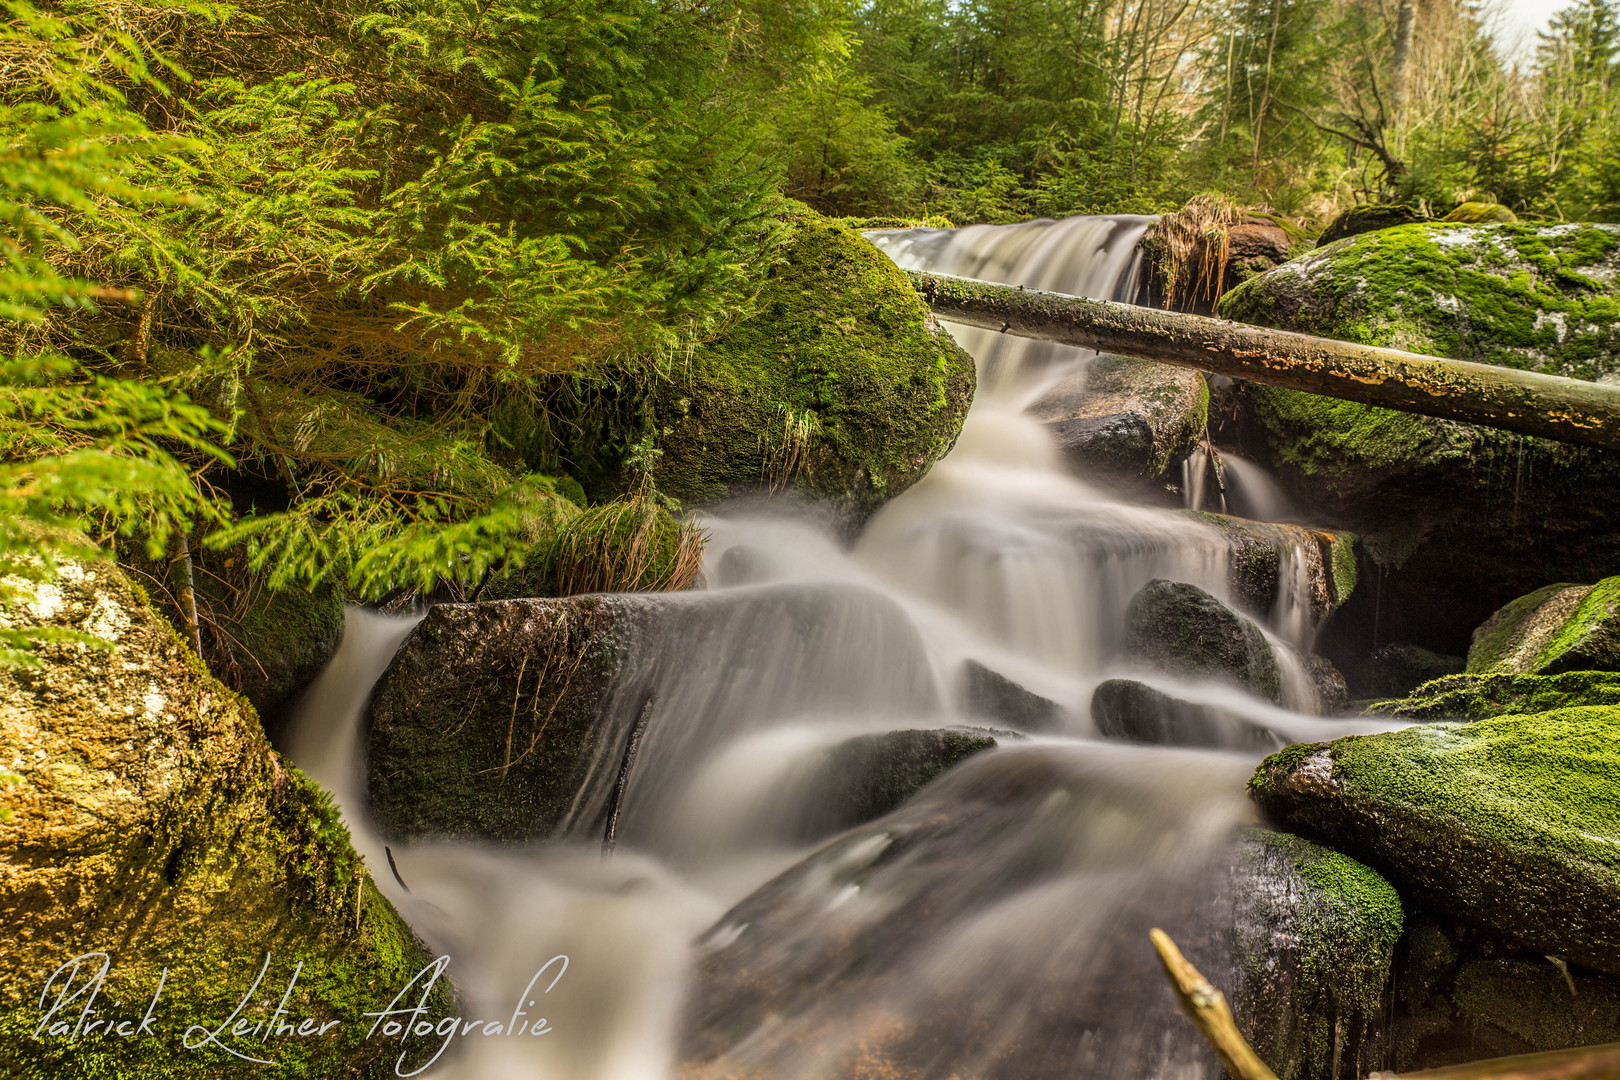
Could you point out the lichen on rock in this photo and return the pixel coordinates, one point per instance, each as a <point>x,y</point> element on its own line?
<point>144,815</point>
<point>841,385</point>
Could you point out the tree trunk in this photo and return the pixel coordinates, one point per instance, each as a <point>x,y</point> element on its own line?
<point>1401,75</point>
<point>1569,410</point>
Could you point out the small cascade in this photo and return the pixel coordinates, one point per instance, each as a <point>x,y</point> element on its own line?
<point>999,560</point>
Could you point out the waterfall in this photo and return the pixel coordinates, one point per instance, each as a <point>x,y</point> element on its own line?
<point>999,557</point>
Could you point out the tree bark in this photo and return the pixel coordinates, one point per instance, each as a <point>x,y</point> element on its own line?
<point>1400,76</point>
<point>1548,406</point>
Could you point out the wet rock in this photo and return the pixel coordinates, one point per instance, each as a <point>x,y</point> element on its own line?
<point>1129,710</point>
<point>1268,558</point>
<point>1002,916</point>
<point>1458,520</point>
<point>1123,421</point>
<point>1554,629</point>
<point>1510,824</point>
<point>1183,631</point>
<point>1332,693</point>
<point>991,694</point>
<point>840,387</point>
<point>870,775</point>
<point>146,815</point>
<point>519,720</point>
<point>1314,934</point>
<point>1479,697</point>
<point>1365,219</point>
<point>1461,995</point>
<point>1402,667</point>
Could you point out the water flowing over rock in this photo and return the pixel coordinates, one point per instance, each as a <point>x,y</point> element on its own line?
<point>148,818</point>
<point>1126,422</point>
<point>965,927</point>
<point>1552,630</point>
<point>1511,823</point>
<point>1181,630</point>
<point>1130,710</point>
<point>522,719</point>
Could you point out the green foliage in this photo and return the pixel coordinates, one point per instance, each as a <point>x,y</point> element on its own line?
<point>79,452</point>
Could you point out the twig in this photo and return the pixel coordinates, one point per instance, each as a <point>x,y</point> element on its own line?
<point>1207,1008</point>
<point>180,565</point>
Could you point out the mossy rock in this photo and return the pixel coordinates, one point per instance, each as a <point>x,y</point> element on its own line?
<point>1481,696</point>
<point>1365,219</point>
<point>1314,937</point>
<point>267,644</point>
<point>143,814</point>
<point>1554,629</point>
<point>841,387</point>
<point>1469,516</point>
<point>1135,712</point>
<point>1260,550</point>
<point>1125,421</point>
<point>1511,824</point>
<point>1481,213</point>
<point>1181,630</point>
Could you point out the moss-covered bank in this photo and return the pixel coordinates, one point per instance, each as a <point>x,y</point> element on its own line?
<point>145,816</point>
<point>841,386</point>
<point>1482,696</point>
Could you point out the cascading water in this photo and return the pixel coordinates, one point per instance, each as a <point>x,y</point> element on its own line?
<point>1004,947</point>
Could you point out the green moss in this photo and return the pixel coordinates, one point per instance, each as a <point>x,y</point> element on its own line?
<point>840,385</point>
<point>1342,565</point>
<point>1480,213</point>
<point>1588,638</point>
<point>1549,780</point>
<point>226,855</point>
<point>1507,294</point>
<point>1283,761</point>
<point>1499,634</point>
<point>1484,695</point>
<point>1342,922</point>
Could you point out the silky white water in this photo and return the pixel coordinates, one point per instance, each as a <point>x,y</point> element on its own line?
<point>1000,556</point>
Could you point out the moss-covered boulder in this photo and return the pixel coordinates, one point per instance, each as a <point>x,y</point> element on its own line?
<point>1314,936</point>
<point>841,386</point>
<point>1481,696</point>
<point>1554,629</point>
<point>1265,555</point>
<point>1126,422</point>
<point>144,816</point>
<point>1460,518</point>
<point>1181,630</point>
<point>1481,213</point>
<point>266,644</point>
<point>1511,824</point>
<point>1365,219</point>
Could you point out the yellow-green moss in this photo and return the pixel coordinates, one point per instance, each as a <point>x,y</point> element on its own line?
<point>1590,638</point>
<point>1480,696</point>
<point>840,386</point>
<point>1481,213</point>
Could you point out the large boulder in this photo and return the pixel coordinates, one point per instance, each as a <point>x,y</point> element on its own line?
<point>146,816</point>
<point>1511,823</point>
<point>1459,519</point>
<point>1554,629</point>
<point>1268,559</point>
<point>1180,630</point>
<point>998,923</point>
<point>840,386</point>
<point>1124,422</point>
<point>518,720</point>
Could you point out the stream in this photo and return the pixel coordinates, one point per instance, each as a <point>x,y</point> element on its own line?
<point>1013,946</point>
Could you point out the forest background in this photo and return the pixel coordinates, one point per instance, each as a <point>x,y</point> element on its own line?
<point>375,296</point>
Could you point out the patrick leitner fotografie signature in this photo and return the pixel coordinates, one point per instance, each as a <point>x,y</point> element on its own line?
<point>69,1011</point>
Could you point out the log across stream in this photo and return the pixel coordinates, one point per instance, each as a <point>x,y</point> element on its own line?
<point>1528,402</point>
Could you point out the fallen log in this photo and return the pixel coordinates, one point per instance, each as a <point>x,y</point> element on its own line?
<point>1549,406</point>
